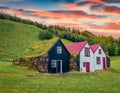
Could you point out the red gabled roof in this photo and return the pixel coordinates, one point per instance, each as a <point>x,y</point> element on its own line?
<point>94,47</point>
<point>76,47</point>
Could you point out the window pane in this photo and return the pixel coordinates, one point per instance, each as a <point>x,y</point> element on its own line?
<point>98,60</point>
<point>84,64</point>
<point>87,52</point>
<point>59,50</point>
<point>99,51</point>
<point>53,64</point>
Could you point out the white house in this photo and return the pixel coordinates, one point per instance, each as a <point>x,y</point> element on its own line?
<point>85,61</point>
<point>99,57</point>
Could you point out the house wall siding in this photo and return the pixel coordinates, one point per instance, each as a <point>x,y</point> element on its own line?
<point>86,59</point>
<point>96,54</point>
<point>54,56</point>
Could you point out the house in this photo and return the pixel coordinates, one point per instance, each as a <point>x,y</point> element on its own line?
<point>55,59</point>
<point>58,58</point>
<point>84,56</point>
<point>99,57</point>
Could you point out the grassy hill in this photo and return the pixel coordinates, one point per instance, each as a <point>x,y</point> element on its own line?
<point>29,32</point>
<point>18,40</point>
<point>14,79</point>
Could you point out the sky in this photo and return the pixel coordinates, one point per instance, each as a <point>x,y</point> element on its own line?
<point>101,17</point>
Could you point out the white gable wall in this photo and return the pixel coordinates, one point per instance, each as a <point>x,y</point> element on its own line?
<point>96,54</point>
<point>86,59</point>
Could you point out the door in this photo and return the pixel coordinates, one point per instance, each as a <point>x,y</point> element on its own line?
<point>59,66</point>
<point>87,67</point>
<point>104,63</point>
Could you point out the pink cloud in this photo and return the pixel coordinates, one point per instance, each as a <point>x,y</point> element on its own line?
<point>111,10</point>
<point>96,1</point>
<point>15,11</point>
<point>70,19</point>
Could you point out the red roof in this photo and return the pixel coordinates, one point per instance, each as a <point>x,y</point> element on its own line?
<point>76,47</point>
<point>94,47</point>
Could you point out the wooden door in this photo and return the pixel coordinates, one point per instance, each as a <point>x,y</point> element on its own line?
<point>87,67</point>
<point>59,66</point>
<point>104,63</point>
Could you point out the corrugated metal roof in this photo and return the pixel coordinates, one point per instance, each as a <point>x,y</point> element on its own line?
<point>94,47</point>
<point>76,47</point>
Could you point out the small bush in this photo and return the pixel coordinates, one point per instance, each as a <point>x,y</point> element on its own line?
<point>45,35</point>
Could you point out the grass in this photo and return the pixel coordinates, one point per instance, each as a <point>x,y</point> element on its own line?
<point>15,38</point>
<point>14,79</point>
<point>116,60</point>
<point>19,40</point>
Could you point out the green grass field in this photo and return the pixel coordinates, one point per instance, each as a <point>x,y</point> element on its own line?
<point>14,79</point>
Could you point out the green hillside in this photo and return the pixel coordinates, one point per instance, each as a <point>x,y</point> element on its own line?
<point>30,32</point>
<point>18,40</point>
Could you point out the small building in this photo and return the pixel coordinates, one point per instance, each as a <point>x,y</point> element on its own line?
<point>84,56</point>
<point>108,61</point>
<point>58,58</point>
<point>99,57</point>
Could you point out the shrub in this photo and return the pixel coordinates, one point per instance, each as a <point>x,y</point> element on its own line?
<point>45,35</point>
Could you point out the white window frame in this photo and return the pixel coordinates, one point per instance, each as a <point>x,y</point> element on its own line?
<point>53,64</point>
<point>59,50</point>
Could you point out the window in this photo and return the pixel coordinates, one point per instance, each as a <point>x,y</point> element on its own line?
<point>98,60</point>
<point>53,64</point>
<point>87,52</point>
<point>99,51</point>
<point>84,64</point>
<point>59,50</point>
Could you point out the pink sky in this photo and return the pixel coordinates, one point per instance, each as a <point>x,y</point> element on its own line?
<point>98,16</point>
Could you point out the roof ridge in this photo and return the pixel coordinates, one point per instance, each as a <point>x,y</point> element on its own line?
<point>76,47</point>
<point>95,44</point>
<point>94,47</point>
<point>77,42</point>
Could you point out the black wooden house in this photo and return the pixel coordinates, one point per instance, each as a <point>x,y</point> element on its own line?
<point>58,57</point>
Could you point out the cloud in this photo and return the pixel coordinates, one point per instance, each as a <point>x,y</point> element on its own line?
<point>77,19</point>
<point>12,11</point>
<point>3,1</point>
<point>3,7</point>
<point>111,10</point>
<point>74,7</point>
<point>83,2</point>
<point>67,1</point>
<point>93,8</point>
<point>96,6</point>
<point>114,26</point>
<point>90,2</point>
<point>112,1</point>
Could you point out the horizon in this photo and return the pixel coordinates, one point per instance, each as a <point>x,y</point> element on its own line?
<point>101,17</point>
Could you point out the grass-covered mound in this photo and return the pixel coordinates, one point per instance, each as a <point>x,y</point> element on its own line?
<point>19,40</point>
<point>15,38</point>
